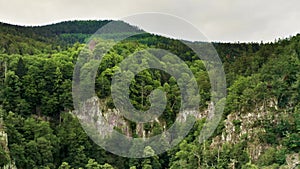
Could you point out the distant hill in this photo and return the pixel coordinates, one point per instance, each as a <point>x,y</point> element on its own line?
<point>48,36</point>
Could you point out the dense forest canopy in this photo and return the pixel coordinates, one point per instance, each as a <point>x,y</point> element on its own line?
<point>36,104</point>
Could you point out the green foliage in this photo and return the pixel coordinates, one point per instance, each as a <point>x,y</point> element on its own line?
<point>249,166</point>
<point>92,164</point>
<point>32,142</point>
<point>64,165</point>
<point>272,156</point>
<point>3,156</point>
<point>36,73</point>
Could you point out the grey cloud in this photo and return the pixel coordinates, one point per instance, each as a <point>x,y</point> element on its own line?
<point>226,20</point>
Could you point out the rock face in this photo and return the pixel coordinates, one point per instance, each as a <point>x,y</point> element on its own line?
<point>247,125</point>
<point>293,160</point>
<point>91,114</point>
<point>4,144</point>
<point>104,120</point>
<point>95,113</point>
<point>238,125</point>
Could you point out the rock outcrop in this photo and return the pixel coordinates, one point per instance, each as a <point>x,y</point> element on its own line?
<point>4,145</point>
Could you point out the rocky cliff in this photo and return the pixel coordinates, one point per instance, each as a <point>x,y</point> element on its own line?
<point>8,163</point>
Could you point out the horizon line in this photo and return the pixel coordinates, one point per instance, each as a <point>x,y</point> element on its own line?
<point>177,38</point>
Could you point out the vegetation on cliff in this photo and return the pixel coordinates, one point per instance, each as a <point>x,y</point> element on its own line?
<point>36,71</point>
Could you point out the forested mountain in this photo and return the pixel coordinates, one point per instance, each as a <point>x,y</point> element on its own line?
<point>260,127</point>
<point>48,38</point>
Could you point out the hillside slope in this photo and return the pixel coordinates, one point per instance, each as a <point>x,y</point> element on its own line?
<point>260,127</point>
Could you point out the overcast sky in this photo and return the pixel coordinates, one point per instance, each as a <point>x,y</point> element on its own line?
<point>218,20</point>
